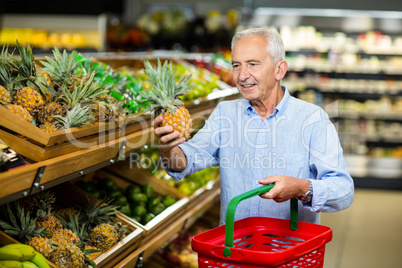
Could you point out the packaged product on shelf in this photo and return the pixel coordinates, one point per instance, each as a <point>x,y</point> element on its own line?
<point>9,159</point>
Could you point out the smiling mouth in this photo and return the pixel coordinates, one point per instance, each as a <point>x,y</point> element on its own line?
<point>247,86</point>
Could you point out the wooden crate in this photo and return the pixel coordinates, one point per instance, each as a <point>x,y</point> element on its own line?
<point>65,192</point>
<point>37,145</point>
<point>160,221</point>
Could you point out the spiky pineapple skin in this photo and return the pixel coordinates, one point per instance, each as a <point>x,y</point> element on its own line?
<point>61,236</point>
<point>5,97</point>
<point>28,98</point>
<point>41,245</point>
<point>48,127</point>
<point>46,112</point>
<point>180,121</point>
<point>50,222</point>
<point>104,236</point>
<point>68,256</point>
<point>20,111</point>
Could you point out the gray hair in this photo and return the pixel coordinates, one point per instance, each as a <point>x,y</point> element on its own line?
<point>275,44</point>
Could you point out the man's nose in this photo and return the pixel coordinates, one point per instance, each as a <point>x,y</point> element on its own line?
<point>244,73</point>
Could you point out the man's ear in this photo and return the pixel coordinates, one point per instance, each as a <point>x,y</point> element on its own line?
<point>281,69</point>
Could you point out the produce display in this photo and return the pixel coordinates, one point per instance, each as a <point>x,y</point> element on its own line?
<point>179,252</point>
<point>67,236</point>
<point>21,255</point>
<point>149,159</point>
<point>140,203</point>
<point>59,96</point>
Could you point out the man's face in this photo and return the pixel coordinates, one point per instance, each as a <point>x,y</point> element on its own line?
<point>253,70</point>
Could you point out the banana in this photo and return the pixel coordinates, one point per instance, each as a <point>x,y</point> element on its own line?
<point>17,254</point>
<point>17,246</point>
<point>28,264</point>
<point>11,264</point>
<point>40,261</point>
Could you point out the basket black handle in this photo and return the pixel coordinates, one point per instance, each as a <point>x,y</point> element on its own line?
<point>229,228</point>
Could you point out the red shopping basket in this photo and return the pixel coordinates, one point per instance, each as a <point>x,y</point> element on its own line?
<point>261,241</point>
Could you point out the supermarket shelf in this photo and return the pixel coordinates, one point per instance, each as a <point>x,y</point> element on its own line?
<point>375,171</point>
<point>195,208</point>
<point>32,178</point>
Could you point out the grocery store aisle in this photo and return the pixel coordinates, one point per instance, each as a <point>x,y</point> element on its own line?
<point>368,234</point>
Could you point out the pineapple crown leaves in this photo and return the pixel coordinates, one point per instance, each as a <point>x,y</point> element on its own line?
<point>6,74</point>
<point>76,117</point>
<point>19,224</point>
<point>41,203</point>
<point>25,66</point>
<point>101,212</point>
<point>166,89</point>
<point>62,67</point>
<point>85,90</point>
<point>74,225</point>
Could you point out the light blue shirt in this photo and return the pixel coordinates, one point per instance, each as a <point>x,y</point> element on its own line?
<point>297,140</point>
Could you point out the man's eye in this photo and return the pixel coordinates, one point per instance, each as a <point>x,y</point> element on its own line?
<point>236,66</point>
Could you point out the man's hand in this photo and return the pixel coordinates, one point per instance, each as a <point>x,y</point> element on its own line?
<point>285,187</point>
<point>167,138</point>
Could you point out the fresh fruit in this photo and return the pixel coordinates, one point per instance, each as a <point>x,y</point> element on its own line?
<point>41,245</point>
<point>48,127</point>
<point>138,211</point>
<point>41,205</point>
<point>157,209</point>
<point>165,97</point>
<point>5,97</point>
<point>167,200</point>
<point>137,198</point>
<point>132,189</point>
<point>68,255</point>
<point>47,111</point>
<point>147,190</point>
<point>11,264</point>
<point>147,218</point>
<point>65,236</point>
<point>40,261</point>
<point>18,254</point>
<point>20,111</point>
<point>19,224</point>
<point>76,117</point>
<point>28,264</point>
<point>62,68</point>
<point>28,98</point>
<point>104,236</point>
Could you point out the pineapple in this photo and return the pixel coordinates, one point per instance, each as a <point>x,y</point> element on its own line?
<point>42,245</point>
<point>105,107</point>
<point>62,236</point>
<point>104,236</point>
<point>65,212</point>
<point>28,98</point>
<point>76,117</point>
<point>48,127</point>
<point>5,96</point>
<point>165,97</point>
<point>41,205</point>
<point>85,90</point>
<point>20,111</point>
<point>46,112</point>
<point>62,68</point>
<point>68,256</point>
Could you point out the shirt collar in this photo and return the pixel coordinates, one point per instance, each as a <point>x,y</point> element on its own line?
<point>279,109</point>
